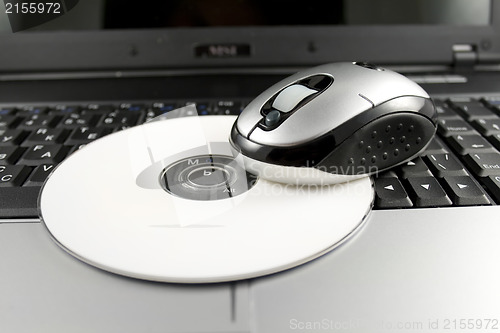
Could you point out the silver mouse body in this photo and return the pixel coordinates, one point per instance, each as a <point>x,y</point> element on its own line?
<point>334,123</point>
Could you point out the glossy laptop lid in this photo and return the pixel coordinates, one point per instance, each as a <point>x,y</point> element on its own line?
<point>128,35</point>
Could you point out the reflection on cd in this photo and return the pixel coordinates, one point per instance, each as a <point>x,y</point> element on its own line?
<point>206,177</point>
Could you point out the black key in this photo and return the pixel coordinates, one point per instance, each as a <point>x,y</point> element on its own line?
<point>493,185</point>
<point>387,174</point>
<point>37,121</point>
<point>8,121</point>
<point>10,154</point>
<point>12,137</point>
<point>435,147</point>
<point>464,191</point>
<point>120,119</point>
<point>203,108</point>
<point>4,111</point>
<point>472,110</point>
<point>444,111</point>
<point>75,120</point>
<point>40,174</point>
<point>162,107</point>
<point>62,110</point>
<point>152,114</point>
<point>447,127</point>
<point>131,107</point>
<point>495,140</point>
<point>414,168</point>
<point>157,109</point>
<point>44,154</point>
<point>19,202</point>
<point>46,136</point>
<point>426,192</point>
<point>445,165</point>
<point>493,103</point>
<point>465,144</point>
<point>98,108</point>
<point>85,135</point>
<point>28,111</point>
<point>13,175</point>
<point>487,127</point>
<point>484,164</point>
<point>390,193</point>
<point>228,108</point>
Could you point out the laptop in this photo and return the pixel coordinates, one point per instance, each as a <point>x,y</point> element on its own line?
<point>426,259</point>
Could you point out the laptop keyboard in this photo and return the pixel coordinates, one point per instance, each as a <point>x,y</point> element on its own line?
<point>460,167</point>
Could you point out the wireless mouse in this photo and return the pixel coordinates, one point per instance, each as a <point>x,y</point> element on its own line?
<point>334,123</point>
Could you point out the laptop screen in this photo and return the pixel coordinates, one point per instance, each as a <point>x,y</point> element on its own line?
<point>125,34</point>
<point>127,14</point>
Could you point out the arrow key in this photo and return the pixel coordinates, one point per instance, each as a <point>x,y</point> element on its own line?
<point>390,193</point>
<point>464,191</point>
<point>414,168</point>
<point>426,192</point>
<point>465,144</point>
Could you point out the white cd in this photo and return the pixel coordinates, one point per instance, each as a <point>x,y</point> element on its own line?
<point>112,205</point>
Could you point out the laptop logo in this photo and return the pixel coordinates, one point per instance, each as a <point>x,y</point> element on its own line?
<point>222,50</point>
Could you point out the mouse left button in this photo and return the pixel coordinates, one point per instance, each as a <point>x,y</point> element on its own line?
<point>291,96</point>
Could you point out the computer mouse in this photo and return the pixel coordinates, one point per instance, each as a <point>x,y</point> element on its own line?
<point>334,123</point>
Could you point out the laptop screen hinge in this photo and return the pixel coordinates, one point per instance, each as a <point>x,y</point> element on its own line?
<point>464,56</point>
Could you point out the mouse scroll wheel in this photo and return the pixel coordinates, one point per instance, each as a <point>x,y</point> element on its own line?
<point>291,96</point>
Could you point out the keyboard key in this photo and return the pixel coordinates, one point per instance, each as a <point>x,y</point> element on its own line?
<point>118,119</point>
<point>4,111</point>
<point>19,202</point>
<point>414,168</point>
<point>228,108</point>
<point>75,120</point>
<point>495,140</point>
<point>10,154</point>
<point>487,127</point>
<point>37,121</point>
<point>44,154</point>
<point>46,136</point>
<point>435,147</point>
<point>62,110</point>
<point>13,175</point>
<point>493,185</point>
<point>464,191</point>
<point>162,107</point>
<point>131,107</point>
<point>444,111</point>
<point>447,127</point>
<point>12,137</point>
<point>390,193</point>
<point>28,111</point>
<point>98,108</point>
<point>85,135</point>
<point>8,121</point>
<point>387,174</point>
<point>426,192</point>
<point>445,165</point>
<point>465,144</point>
<point>472,110</point>
<point>40,174</point>
<point>484,164</point>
